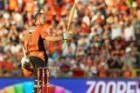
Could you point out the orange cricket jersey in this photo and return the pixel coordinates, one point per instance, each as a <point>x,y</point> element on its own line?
<point>35,41</point>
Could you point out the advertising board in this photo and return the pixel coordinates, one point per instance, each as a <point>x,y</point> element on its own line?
<point>85,85</point>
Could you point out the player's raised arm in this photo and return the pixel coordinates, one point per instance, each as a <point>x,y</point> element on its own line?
<point>54,38</point>
<point>41,21</point>
<point>66,35</point>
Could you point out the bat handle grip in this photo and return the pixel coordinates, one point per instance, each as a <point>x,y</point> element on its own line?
<point>65,43</point>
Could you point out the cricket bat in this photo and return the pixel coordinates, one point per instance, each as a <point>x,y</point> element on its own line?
<point>70,19</point>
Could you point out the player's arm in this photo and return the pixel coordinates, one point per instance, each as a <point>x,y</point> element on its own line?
<point>66,35</point>
<point>44,35</point>
<point>26,38</point>
<point>53,38</point>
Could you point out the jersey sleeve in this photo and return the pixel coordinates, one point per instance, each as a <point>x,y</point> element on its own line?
<point>42,32</point>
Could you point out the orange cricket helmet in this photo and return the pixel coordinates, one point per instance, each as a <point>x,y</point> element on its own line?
<point>27,70</point>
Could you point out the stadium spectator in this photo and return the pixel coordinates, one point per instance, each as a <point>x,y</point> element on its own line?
<point>127,71</point>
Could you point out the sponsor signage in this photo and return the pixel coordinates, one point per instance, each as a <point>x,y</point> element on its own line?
<point>87,85</point>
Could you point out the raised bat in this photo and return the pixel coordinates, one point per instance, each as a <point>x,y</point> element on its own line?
<point>70,19</point>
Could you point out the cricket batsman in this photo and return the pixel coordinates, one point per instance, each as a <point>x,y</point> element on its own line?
<point>34,50</point>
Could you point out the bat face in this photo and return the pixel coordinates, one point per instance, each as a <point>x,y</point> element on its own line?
<point>76,1</point>
<point>72,13</point>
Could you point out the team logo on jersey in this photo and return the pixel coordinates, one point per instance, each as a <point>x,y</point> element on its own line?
<point>30,30</point>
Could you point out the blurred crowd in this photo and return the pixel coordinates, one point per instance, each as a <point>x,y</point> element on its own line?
<point>105,41</point>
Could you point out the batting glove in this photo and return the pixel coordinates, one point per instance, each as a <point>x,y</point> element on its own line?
<point>24,61</point>
<point>66,35</point>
